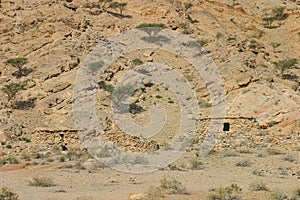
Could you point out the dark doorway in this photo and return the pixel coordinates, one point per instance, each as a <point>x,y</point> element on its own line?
<point>226,126</point>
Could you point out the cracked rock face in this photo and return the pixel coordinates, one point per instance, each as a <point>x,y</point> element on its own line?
<point>56,37</point>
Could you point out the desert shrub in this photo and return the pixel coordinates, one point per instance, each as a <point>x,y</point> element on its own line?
<point>107,87</point>
<point>137,62</point>
<point>25,139</point>
<point>226,193</point>
<point>245,163</point>
<point>202,42</point>
<point>273,151</point>
<point>118,5</point>
<point>24,105</point>
<point>25,156</point>
<point>196,164</point>
<point>95,66</point>
<point>278,195</point>
<point>154,193</point>
<point>151,25</point>
<point>277,15</point>
<point>285,64</point>
<point>12,89</point>
<point>41,182</point>
<point>7,194</point>
<point>78,154</point>
<point>275,45</point>
<point>101,4</point>
<point>257,172</point>
<point>229,153</point>
<point>19,63</point>
<point>258,34</point>
<point>296,193</point>
<point>258,186</point>
<point>231,38</point>
<point>91,5</point>
<point>289,158</point>
<point>173,186</point>
<point>120,94</point>
<point>8,160</point>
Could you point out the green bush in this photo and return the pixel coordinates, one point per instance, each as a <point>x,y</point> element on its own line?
<point>17,62</point>
<point>137,62</point>
<point>118,5</point>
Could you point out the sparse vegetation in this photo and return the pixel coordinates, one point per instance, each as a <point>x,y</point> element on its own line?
<point>151,25</point>
<point>41,182</point>
<point>27,140</point>
<point>219,35</point>
<point>185,27</point>
<point>272,151</point>
<point>25,156</point>
<point>19,63</point>
<point>172,186</point>
<point>12,89</point>
<point>258,34</point>
<point>7,194</point>
<point>24,105</point>
<point>95,66</point>
<point>271,123</point>
<point>118,5</point>
<point>296,193</point>
<point>137,62</point>
<point>8,160</point>
<point>77,154</point>
<point>231,38</point>
<point>202,42</point>
<point>153,193</point>
<point>289,158</point>
<point>196,164</point>
<point>245,163</point>
<point>258,186</point>
<point>226,193</point>
<point>120,94</point>
<point>275,45</point>
<point>285,64</point>
<point>107,87</point>
<point>277,15</point>
<point>278,195</point>
<point>204,104</point>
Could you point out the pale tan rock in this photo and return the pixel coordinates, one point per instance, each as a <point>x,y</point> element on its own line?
<point>139,196</point>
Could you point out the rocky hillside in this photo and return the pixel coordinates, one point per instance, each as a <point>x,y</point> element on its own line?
<point>255,45</point>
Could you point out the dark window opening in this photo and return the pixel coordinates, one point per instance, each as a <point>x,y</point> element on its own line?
<point>64,148</point>
<point>226,126</point>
